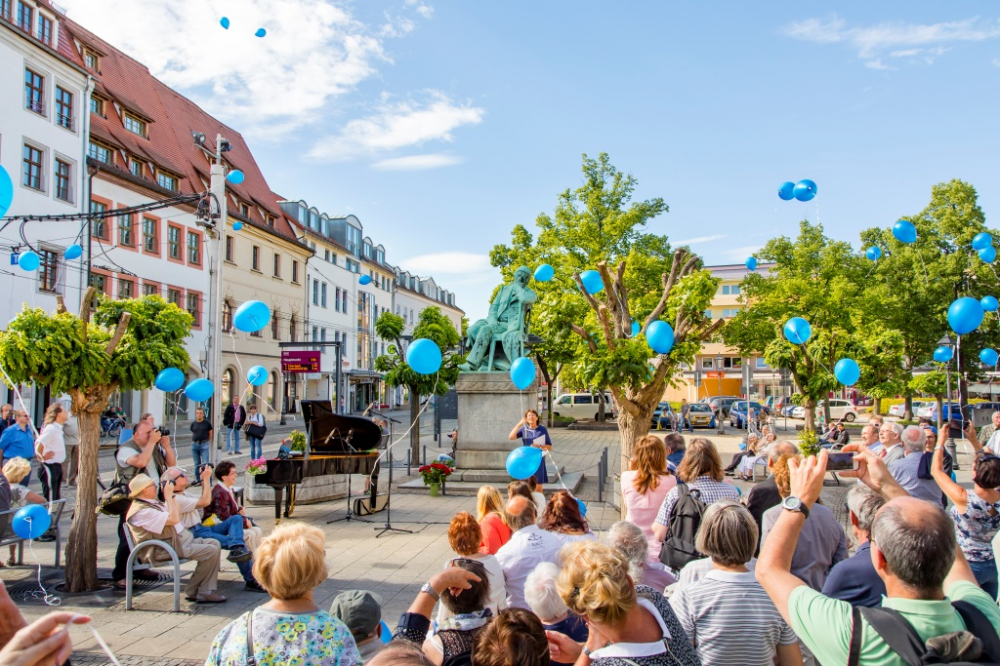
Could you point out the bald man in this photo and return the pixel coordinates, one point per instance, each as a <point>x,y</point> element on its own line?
<point>528,547</point>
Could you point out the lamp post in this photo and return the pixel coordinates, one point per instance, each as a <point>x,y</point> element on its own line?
<point>718,368</point>
<point>949,446</point>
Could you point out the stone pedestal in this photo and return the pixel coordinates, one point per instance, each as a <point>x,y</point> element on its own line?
<point>489,405</point>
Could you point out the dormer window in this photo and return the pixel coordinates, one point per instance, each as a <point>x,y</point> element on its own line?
<point>135,166</point>
<point>244,210</point>
<point>133,124</point>
<point>25,16</point>
<point>45,29</point>
<point>166,181</point>
<point>100,152</point>
<point>96,105</point>
<point>91,60</point>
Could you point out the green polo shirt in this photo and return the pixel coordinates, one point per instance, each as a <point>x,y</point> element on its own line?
<point>824,624</point>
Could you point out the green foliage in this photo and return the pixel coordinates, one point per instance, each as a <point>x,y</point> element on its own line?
<point>298,440</point>
<point>932,383</point>
<point>432,325</point>
<point>809,443</point>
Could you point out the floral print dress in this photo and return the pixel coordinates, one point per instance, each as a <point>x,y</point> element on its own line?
<point>295,639</point>
<point>976,528</point>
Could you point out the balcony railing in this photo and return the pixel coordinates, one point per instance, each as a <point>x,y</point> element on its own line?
<point>36,105</point>
<point>69,122</point>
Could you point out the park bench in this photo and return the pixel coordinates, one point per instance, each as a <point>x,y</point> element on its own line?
<point>7,536</point>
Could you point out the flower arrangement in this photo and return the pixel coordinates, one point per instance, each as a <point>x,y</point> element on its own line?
<point>435,473</point>
<point>298,441</point>
<point>255,467</point>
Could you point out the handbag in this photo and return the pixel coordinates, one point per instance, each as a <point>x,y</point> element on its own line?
<point>254,430</point>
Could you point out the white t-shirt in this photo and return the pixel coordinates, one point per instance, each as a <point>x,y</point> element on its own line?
<point>124,454</point>
<point>188,506</point>
<point>527,548</point>
<point>152,520</point>
<point>51,441</point>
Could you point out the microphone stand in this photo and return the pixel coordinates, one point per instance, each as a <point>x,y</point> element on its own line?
<point>388,493</point>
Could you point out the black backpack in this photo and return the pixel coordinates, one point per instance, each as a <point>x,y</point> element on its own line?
<point>978,644</point>
<point>682,526</point>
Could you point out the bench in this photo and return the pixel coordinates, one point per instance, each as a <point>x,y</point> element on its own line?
<point>131,566</point>
<point>6,539</point>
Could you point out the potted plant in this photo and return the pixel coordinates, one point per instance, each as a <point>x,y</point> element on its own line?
<point>255,467</point>
<point>298,441</point>
<point>434,474</point>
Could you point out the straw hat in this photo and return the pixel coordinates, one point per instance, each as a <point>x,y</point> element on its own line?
<point>139,483</point>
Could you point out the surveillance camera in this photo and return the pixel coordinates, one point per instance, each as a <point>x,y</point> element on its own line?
<point>198,137</point>
<point>225,146</point>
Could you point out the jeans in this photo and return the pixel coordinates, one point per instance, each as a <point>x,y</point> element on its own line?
<point>986,576</point>
<point>50,474</point>
<point>229,534</point>
<point>201,455</point>
<point>234,433</point>
<point>256,447</point>
<point>687,422</point>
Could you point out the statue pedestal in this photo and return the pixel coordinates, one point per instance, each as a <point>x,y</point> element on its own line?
<point>489,405</point>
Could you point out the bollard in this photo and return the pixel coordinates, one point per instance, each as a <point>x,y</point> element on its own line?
<point>424,457</point>
<point>407,462</point>
<point>600,479</point>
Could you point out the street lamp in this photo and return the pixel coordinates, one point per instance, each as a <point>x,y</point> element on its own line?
<point>949,446</point>
<point>718,368</point>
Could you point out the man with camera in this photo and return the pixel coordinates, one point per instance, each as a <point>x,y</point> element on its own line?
<point>149,453</point>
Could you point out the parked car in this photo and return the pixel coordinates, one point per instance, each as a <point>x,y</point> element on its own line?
<point>663,416</point>
<point>929,410</point>
<point>789,409</point>
<point>723,402</point>
<point>581,405</point>
<point>897,410</point>
<point>777,403</point>
<point>738,413</point>
<point>839,409</point>
<point>701,415</point>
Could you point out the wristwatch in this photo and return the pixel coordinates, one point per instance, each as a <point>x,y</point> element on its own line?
<point>430,590</point>
<point>792,503</point>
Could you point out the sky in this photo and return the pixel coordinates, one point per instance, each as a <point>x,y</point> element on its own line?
<point>442,124</point>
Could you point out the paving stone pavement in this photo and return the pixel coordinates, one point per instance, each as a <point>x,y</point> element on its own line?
<point>394,565</point>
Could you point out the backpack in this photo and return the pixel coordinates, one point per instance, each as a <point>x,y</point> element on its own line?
<point>682,526</point>
<point>978,644</point>
<point>115,501</point>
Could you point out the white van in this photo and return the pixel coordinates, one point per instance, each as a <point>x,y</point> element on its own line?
<point>581,405</point>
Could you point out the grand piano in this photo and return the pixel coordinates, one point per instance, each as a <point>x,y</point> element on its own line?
<point>335,444</point>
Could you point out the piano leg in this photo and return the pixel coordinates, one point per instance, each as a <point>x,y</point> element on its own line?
<point>279,491</point>
<point>290,501</point>
<point>374,487</point>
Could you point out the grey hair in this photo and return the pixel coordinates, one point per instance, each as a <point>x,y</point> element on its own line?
<point>629,540</point>
<point>864,503</point>
<point>166,476</point>
<point>526,518</point>
<point>728,533</point>
<point>895,427</point>
<point>914,439</point>
<point>541,595</point>
<point>917,540</point>
<point>780,448</point>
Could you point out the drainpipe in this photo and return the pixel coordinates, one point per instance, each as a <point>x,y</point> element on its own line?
<point>85,200</point>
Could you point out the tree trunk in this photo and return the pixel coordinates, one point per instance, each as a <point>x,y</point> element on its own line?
<point>544,367</point>
<point>908,407</point>
<point>81,546</point>
<point>810,413</point>
<point>630,430</point>
<point>415,427</point>
<point>600,406</point>
<point>876,405</point>
<point>940,411</point>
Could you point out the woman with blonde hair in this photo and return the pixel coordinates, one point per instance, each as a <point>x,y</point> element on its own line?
<point>289,564</point>
<point>492,520</point>
<point>645,486</point>
<point>629,624</point>
<point>15,470</point>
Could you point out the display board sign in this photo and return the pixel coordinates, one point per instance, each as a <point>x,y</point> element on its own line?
<point>299,361</point>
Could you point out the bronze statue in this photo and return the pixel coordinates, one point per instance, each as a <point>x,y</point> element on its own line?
<point>499,339</point>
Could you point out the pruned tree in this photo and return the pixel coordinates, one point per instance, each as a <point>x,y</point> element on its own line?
<point>112,345</point>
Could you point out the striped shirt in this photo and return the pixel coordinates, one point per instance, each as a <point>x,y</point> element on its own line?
<point>731,620</point>
<point>710,489</point>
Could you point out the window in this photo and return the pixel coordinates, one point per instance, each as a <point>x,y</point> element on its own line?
<point>64,190</point>
<point>275,327</point>
<point>761,363</point>
<point>135,166</point>
<point>708,363</point>
<point>5,9</point>
<point>323,296</point>
<point>32,168</point>
<point>293,329</point>
<point>91,60</point>
<point>150,289</point>
<point>47,270</point>
<point>34,91</point>
<point>295,272</point>
<point>583,399</point>
<point>336,300</point>
<point>194,248</point>
<point>256,334</point>
<point>322,338</point>
<point>98,225</point>
<point>194,307</point>
<point>255,259</point>
<point>99,153</point>
<point>126,230</point>
<point>149,235</point>
<point>229,248</point>
<point>315,292</point>
<point>173,242</point>
<point>126,288</point>
<point>25,16</point>
<point>227,316</point>
<point>64,108</point>
<point>272,390</point>
<point>277,265</point>
<point>244,210</point>
<point>730,312</point>
<point>45,29</point>
<point>228,382</point>
<point>174,296</point>
<point>269,221</point>
<point>326,256</point>
<point>167,181</point>
<point>96,105</point>
<point>730,290</point>
<point>708,314</point>
<point>99,282</point>
<point>134,125</point>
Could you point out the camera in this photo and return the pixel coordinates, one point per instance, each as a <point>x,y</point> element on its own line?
<point>164,432</point>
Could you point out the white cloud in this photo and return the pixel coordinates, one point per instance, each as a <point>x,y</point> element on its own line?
<point>447,263</point>
<point>700,239</point>
<point>417,162</point>
<point>896,39</point>
<point>314,51</point>
<point>398,125</point>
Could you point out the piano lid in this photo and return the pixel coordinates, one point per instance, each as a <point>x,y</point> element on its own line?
<point>328,432</point>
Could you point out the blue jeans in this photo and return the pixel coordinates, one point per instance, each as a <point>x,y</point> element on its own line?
<point>201,455</point>
<point>986,576</point>
<point>256,447</point>
<point>686,422</point>
<point>229,534</point>
<point>234,433</point>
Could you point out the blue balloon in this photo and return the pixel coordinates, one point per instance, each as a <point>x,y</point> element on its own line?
<point>988,254</point>
<point>251,316</point>
<point>752,263</point>
<point>523,462</point>
<point>74,251</point>
<point>989,303</point>
<point>805,190</point>
<point>965,315</point>
<point>943,354</point>
<point>904,232</point>
<point>386,635</point>
<point>169,380</point>
<point>847,371</point>
<point>235,177</point>
<point>874,253</point>
<point>199,390</point>
<point>365,279</point>
<point>544,273</point>
<point>260,32</point>
<point>29,261</point>
<point>31,521</point>
<point>743,446</point>
<point>797,331</point>
<point>989,356</point>
<point>592,282</point>
<point>6,191</point>
<point>982,241</point>
<point>522,373</point>
<point>257,375</point>
<point>787,191</point>
<point>660,337</point>
<point>224,22</point>
<point>583,507</point>
<point>237,226</point>
<point>636,328</point>
<point>423,356</point>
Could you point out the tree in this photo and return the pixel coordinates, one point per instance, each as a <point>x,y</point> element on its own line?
<point>816,278</point>
<point>594,227</point>
<point>117,345</point>
<point>556,350</point>
<point>934,384</point>
<point>879,353</point>
<point>435,326</point>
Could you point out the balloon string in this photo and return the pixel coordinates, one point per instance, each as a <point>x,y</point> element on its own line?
<point>24,408</point>
<point>49,599</point>
<point>390,445</point>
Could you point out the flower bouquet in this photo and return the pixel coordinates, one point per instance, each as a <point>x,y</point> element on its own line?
<point>255,467</point>
<point>434,474</point>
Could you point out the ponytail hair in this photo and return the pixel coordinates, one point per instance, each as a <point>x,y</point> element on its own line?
<point>594,582</point>
<point>54,410</point>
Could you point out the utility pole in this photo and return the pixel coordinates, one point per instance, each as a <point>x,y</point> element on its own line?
<point>216,231</point>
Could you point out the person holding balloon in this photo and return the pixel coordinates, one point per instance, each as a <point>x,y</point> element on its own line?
<point>15,470</point>
<point>533,433</point>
